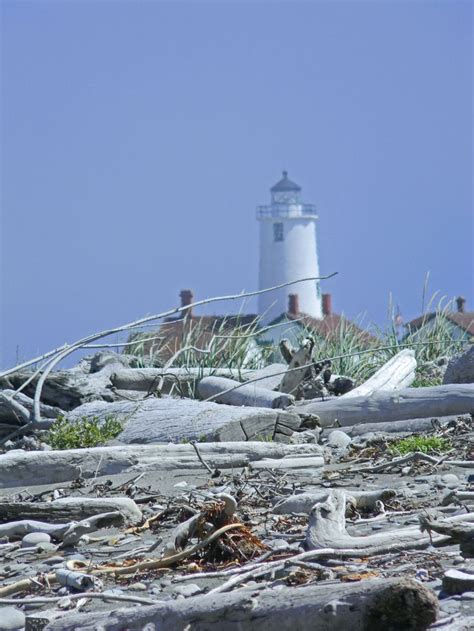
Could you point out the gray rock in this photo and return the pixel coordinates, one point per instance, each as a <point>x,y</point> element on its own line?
<point>339,439</point>
<point>11,618</point>
<point>448,480</point>
<point>461,367</point>
<point>186,590</point>
<point>138,587</point>
<point>34,538</point>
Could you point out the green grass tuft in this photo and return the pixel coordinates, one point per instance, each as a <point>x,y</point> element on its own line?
<point>86,432</point>
<point>423,444</point>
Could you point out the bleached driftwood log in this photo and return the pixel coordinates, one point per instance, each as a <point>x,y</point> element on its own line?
<point>182,380</point>
<point>29,468</point>
<point>365,606</point>
<point>304,502</point>
<point>66,389</point>
<point>67,533</point>
<point>6,414</point>
<point>168,419</point>
<point>303,462</point>
<point>70,508</point>
<point>394,406</point>
<point>271,374</point>
<point>408,425</point>
<point>252,394</point>
<point>397,373</point>
<point>327,529</point>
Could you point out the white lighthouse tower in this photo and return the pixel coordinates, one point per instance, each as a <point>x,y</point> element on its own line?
<point>288,251</point>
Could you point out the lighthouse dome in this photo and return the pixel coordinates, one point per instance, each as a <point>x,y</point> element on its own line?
<point>285,185</point>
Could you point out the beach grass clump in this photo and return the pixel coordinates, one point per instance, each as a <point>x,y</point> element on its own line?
<point>85,432</point>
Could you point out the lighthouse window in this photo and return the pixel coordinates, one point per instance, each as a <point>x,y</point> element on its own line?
<point>278,232</point>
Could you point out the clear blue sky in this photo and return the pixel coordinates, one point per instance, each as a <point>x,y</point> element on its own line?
<point>138,137</point>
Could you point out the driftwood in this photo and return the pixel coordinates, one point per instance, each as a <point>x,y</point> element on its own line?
<point>167,419</point>
<point>327,528</point>
<point>183,380</point>
<point>462,533</point>
<point>66,389</point>
<point>394,406</point>
<point>70,508</point>
<point>268,377</point>
<point>29,468</point>
<point>457,582</point>
<point>304,502</point>
<point>289,463</point>
<point>292,379</point>
<point>248,395</point>
<point>408,425</point>
<point>68,533</point>
<point>397,373</point>
<point>365,606</point>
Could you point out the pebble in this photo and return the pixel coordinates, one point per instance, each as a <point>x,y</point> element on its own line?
<point>34,538</point>
<point>339,439</point>
<point>187,590</point>
<point>11,618</point>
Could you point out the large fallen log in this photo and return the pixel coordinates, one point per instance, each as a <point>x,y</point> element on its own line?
<point>7,415</point>
<point>394,406</point>
<point>397,373</point>
<point>268,377</point>
<point>251,394</point>
<point>29,468</point>
<point>70,509</point>
<point>167,419</point>
<point>365,606</point>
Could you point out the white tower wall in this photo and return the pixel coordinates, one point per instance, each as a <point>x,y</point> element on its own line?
<point>288,253</point>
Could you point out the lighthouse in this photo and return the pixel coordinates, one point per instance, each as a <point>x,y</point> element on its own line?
<point>288,252</point>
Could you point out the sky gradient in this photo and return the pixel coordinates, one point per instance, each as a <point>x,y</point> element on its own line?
<point>138,138</point>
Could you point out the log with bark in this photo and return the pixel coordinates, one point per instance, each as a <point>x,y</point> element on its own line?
<point>394,406</point>
<point>394,604</point>
<point>30,468</point>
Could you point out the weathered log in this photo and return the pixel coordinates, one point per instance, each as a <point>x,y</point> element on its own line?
<point>168,419</point>
<point>68,533</point>
<point>394,406</point>
<point>249,395</point>
<point>397,373</point>
<point>305,462</point>
<point>6,415</point>
<point>29,468</point>
<point>408,425</point>
<point>184,380</point>
<point>268,377</point>
<point>70,509</point>
<point>457,582</point>
<point>304,502</point>
<point>327,528</point>
<point>365,606</point>
<point>66,389</point>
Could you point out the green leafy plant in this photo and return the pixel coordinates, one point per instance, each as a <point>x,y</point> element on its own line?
<point>86,432</point>
<point>423,444</point>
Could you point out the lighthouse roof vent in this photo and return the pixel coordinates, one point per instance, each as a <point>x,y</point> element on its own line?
<point>285,184</point>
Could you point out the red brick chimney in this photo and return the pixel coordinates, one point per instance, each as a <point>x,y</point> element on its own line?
<point>187,297</point>
<point>460,303</point>
<point>327,304</point>
<point>293,304</point>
